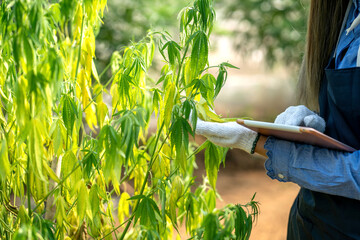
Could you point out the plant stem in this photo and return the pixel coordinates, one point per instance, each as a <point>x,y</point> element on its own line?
<point>104,71</point>
<point>28,186</point>
<point>153,157</point>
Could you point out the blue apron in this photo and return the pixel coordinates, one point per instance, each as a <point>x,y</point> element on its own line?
<point>322,216</point>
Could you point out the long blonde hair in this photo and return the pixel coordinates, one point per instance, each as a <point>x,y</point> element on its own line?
<point>324,25</point>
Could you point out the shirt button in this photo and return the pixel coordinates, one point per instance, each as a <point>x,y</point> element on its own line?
<point>281,176</point>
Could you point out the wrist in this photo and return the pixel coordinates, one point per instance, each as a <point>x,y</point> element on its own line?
<point>259,147</point>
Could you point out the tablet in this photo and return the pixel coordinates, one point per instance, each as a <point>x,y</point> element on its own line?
<point>296,134</point>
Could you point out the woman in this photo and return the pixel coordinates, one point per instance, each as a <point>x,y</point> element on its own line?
<point>327,206</point>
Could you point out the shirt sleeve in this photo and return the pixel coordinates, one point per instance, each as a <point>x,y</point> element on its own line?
<point>318,169</point>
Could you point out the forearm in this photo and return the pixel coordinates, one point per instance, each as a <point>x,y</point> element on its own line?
<point>318,169</point>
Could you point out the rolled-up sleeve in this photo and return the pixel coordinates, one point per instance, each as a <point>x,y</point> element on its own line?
<point>318,169</point>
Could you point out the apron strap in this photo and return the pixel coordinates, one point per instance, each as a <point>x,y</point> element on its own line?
<point>358,58</point>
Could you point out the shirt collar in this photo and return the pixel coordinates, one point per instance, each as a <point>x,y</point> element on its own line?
<point>356,3</point>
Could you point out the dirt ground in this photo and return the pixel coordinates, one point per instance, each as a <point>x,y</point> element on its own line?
<point>275,199</point>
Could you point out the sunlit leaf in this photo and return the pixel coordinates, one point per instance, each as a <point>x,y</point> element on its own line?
<point>68,113</point>
<point>4,161</point>
<point>199,53</point>
<point>82,201</point>
<point>123,207</point>
<point>212,163</point>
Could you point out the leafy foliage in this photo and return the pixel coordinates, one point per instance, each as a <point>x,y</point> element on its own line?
<point>128,21</point>
<point>276,27</point>
<point>66,155</point>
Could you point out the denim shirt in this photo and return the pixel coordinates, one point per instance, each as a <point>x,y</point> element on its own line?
<point>347,51</point>
<point>320,169</point>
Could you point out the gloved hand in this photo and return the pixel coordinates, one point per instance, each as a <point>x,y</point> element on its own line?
<point>301,116</point>
<point>228,134</point>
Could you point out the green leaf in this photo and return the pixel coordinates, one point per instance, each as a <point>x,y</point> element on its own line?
<point>202,146</point>
<point>240,226</point>
<point>137,197</point>
<point>210,198</point>
<point>211,227</point>
<point>29,52</point>
<point>186,129</point>
<point>209,81</point>
<point>200,52</point>
<point>54,9</point>
<point>173,50</point>
<point>69,113</point>
<point>89,162</point>
<point>156,101</point>
<point>176,135</point>
<point>226,64</point>
<point>207,14</point>
<point>67,8</point>
<point>146,211</point>
<point>220,80</point>
<point>212,163</point>
<point>94,200</point>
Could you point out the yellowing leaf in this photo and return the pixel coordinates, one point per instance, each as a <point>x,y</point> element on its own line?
<point>115,95</point>
<point>188,75</point>
<point>123,207</point>
<point>88,67</point>
<point>102,7</point>
<point>69,162</point>
<point>4,161</point>
<point>35,148</point>
<point>78,21</point>
<point>90,42</point>
<point>169,103</point>
<point>57,141</point>
<point>177,187</point>
<point>205,113</point>
<point>94,201</point>
<point>82,201</point>
<point>82,90</point>
<point>39,188</point>
<point>102,111</point>
<point>90,116</point>
<point>60,214</point>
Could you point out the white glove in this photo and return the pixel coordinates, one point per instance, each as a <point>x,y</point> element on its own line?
<point>301,116</point>
<point>228,134</point>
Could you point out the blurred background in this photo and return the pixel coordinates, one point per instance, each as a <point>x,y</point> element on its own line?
<point>266,40</point>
